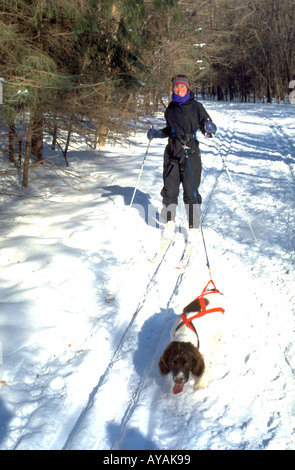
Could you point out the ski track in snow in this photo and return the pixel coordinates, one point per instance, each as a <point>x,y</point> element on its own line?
<point>126,419</point>
<point>126,405</point>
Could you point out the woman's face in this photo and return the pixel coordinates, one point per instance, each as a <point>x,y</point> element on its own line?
<point>180,89</point>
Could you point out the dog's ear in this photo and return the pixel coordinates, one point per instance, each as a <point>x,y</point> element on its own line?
<point>164,368</point>
<point>198,364</point>
<point>194,306</point>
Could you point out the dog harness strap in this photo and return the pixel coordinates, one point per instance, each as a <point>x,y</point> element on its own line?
<point>187,322</point>
<point>204,310</point>
<point>202,301</point>
<point>215,291</point>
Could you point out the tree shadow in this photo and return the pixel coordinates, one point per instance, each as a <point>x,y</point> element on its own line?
<point>5,417</point>
<point>132,439</point>
<point>152,339</point>
<point>149,337</point>
<point>142,202</point>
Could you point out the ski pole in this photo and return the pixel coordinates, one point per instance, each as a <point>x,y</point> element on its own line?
<point>142,165</point>
<point>235,189</point>
<point>197,204</point>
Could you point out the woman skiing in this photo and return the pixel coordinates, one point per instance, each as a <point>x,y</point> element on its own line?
<point>182,159</point>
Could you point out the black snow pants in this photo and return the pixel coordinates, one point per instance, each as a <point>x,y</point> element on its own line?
<point>176,172</point>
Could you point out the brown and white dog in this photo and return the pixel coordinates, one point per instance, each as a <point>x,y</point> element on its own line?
<point>193,340</point>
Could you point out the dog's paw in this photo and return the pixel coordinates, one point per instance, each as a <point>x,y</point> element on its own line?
<point>203,383</point>
<point>204,380</point>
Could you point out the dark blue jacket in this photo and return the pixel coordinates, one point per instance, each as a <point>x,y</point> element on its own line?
<point>182,122</point>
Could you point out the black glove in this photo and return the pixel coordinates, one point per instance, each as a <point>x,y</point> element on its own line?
<point>155,134</point>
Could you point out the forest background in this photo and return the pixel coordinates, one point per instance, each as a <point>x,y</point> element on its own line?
<point>96,67</point>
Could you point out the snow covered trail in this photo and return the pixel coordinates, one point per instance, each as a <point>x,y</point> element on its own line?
<point>129,368</point>
<point>88,316</point>
<point>241,409</point>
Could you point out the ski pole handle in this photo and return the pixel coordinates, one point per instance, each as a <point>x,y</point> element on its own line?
<point>152,124</point>
<point>151,129</point>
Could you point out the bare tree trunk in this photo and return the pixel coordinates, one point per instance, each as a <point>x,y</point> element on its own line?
<point>37,135</point>
<point>25,183</point>
<point>54,139</point>
<point>11,139</point>
<point>95,136</point>
<point>123,114</point>
<point>147,101</point>
<point>68,141</point>
<point>103,132</point>
<point>65,150</point>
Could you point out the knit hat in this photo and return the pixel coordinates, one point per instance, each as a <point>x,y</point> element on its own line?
<point>180,79</point>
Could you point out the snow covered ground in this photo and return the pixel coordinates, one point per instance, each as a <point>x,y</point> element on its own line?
<point>85,315</point>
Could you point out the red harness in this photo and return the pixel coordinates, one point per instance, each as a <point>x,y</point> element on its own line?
<point>204,310</point>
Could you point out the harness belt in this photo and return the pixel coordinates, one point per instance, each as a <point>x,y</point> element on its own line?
<point>184,138</point>
<point>204,311</point>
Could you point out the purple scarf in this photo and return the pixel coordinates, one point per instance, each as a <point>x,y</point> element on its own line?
<point>180,99</point>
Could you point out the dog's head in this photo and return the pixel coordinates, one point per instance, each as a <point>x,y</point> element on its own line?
<point>181,359</point>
